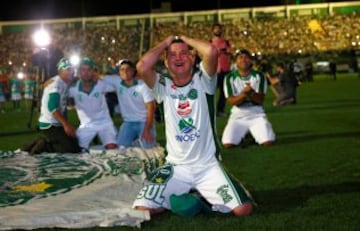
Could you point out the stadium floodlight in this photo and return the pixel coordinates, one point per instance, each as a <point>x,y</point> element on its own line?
<point>41,38</point>
<point>40,60</point>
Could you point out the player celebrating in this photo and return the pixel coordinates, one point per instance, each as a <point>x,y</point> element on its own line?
<point>137,107</point>
<point>245,90</point>
<point>59,134</point>
<point>192,149</point>
<point>91,107</point>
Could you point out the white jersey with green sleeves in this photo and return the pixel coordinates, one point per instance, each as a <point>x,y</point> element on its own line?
<point>189,116</point>
<point>57,88</point>
<point>234,84</point>
<point>15,86</point>
<point>91,106</point>
<point>29,87</point>
<point>132,99</point>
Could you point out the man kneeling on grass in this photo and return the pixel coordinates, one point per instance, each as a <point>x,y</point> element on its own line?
<point>191,163</point>
<point>245,89</point>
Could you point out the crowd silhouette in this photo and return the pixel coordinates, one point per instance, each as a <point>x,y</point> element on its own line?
<point>295,35</point>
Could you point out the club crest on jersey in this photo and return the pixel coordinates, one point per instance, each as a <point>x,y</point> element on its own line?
<point>121,90</point>
<point>192,94</point>
<point>79,98</point>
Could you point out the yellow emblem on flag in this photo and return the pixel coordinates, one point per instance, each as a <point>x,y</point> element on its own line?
<point>41,187</point>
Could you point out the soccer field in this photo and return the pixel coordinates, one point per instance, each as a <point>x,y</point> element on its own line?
<point>309,179</point>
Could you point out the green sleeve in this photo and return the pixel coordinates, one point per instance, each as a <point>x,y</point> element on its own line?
<point>54,101</point>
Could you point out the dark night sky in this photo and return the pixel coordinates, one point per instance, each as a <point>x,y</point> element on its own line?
<point>51,9</point>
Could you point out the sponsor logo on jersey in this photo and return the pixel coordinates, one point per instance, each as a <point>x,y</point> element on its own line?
<point>189,133</point>
<point>184,108</point>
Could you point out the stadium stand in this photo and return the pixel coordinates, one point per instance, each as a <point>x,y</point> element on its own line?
<point>323,31</point>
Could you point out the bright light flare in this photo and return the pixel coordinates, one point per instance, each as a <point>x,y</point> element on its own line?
<point>41,38</point>
<point>20,75</point>
<point>75,60</point>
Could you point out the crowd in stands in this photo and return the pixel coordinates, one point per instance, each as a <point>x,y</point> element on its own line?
<point>275,36</point>
<point>278,36</point>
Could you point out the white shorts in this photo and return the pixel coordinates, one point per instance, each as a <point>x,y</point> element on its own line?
<point>16,96</point>
<point>27,96</point>
<point>236,129</point>
<point>212,182</point>
<point>2,98</point>
<point>86,133</point>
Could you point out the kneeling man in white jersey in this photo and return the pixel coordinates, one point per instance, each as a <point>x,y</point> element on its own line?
<point>137,107</point>
<point>91,107</point>
<point>245,90</point>
<point>191,143</point>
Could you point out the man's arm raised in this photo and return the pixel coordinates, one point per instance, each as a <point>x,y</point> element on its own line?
<point>146,65</point>
<point>207,51</point>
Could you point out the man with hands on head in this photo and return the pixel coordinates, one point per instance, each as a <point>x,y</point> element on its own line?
<point>189,111</point>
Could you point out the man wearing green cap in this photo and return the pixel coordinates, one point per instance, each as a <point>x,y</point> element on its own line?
<point>91,107</point>
<point>60,135</point>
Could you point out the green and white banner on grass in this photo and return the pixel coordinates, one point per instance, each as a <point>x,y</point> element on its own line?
<point>73,190</point>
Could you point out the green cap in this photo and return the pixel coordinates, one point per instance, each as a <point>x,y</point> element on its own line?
<point>188,205</point>
<point>87,61</point>
<point>63,64</point>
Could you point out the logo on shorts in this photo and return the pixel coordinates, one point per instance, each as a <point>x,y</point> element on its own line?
<point>154,190</point>
<point>161,175</point>
<point>223,191</point>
